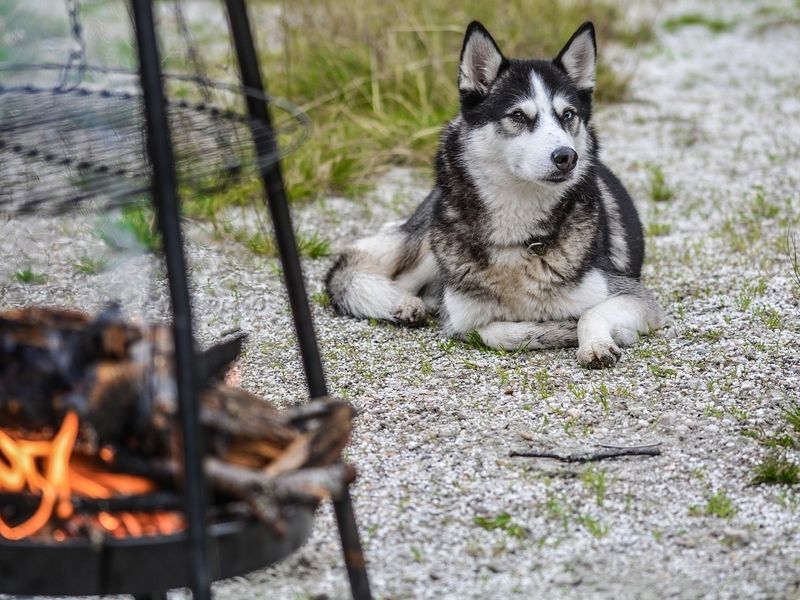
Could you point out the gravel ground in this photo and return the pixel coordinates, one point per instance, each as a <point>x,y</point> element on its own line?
<point>718,113</point>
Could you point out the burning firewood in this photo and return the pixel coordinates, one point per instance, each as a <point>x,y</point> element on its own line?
<point>88,410</point>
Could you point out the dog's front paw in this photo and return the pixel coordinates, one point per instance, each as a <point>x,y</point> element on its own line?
<point>599,354</point>
<point>410,312</point>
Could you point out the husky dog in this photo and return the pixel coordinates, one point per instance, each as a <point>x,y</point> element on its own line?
<point>527,238</point>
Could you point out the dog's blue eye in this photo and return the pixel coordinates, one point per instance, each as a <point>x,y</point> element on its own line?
<point>567,116</point>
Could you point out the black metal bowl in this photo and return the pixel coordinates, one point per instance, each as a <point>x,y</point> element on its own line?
<point>144,565</point>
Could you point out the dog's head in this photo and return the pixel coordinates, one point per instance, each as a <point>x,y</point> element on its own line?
<point>528,120</point>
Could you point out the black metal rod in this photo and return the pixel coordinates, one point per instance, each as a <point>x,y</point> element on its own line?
<point>351,547</point>
<point>266,148</point>
<point>162,161</point>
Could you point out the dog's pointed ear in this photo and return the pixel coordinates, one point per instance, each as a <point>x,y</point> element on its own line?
<point>481,60</point>
<point>578,58</point>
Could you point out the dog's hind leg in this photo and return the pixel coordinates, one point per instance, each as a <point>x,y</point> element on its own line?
<point>380,277</point>
<point>511,335</point>
<point>463,314</point>
<point>616,322</point>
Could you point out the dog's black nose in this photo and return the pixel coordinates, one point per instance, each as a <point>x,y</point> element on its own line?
<point>564,158</point>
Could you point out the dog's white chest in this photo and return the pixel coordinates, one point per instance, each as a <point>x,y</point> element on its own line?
<point>529,288</point>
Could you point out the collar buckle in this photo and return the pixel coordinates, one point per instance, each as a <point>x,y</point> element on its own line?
<point>536,248</point>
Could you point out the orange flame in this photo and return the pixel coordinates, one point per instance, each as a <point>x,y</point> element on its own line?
<point>61,478</point>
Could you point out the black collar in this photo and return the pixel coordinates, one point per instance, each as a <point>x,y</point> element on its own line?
<point>537,245</point>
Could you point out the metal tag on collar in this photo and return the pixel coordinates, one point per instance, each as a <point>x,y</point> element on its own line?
<point>536,248</point>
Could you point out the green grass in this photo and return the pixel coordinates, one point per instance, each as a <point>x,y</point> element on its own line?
<point>660,371</point>
<point>711,23</point>
<point>473,340</point>
<point>711,335</point>
<point>378,80</point>
<point>745,229</point>
<point>761,208</point>
<point>776,469</point>
<point>136,223</point>
<point>425,367</point>
<point>29,276</point>
<point>258,242</point>
<point>658,188</point>
<point>595,481</point>
<point>544,383</point>
<point>501,522</point>
<point>603,395</point>
<point>562,511</point>
<point>576,390</point>
<point>322,298</point>
<point>89,265</point>
<point>657,229</point>
<point>594,526</point>
<point>794,258</point>
<point>770,317</point>
<point>781,440</point>
<point>717,505</point>
<point>791,416</point>
<point>203,200</point>
<point>313,246</point>
<point>416,554</point>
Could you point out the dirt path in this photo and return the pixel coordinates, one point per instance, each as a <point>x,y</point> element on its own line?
<point>444,512</point>
<point>717,112</point>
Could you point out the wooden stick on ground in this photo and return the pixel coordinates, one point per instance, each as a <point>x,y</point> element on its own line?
<point>602,454</point>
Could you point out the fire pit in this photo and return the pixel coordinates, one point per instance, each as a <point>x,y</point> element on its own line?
<point>140,565</point>
<point>90,476</point>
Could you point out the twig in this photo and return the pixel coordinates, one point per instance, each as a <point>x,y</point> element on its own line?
<point>602,454</point>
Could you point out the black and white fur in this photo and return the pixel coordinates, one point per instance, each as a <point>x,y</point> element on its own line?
<point>527,238</point>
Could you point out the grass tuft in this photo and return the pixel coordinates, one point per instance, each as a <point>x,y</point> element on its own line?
<point>259,243</point>
<point>659,190</point>
<point>770,317</point>
<point>717,505</point>
<point>794,258</point>
<point>322,298</point>
<point>28,275</point>
<point>138,223</point>
<point>594,526</point>
<point>792,417</point>
<point>662,372</point>
<point>595,480</point>
<point>473,339</point>
<point>503,523</point>
<point>312,246</point>
<point>658,229</point>
<point>712,24</point>
<point>776,469</point>
<point>89,265</point>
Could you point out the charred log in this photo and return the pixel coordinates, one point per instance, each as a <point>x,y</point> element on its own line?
<point>19,506</point>
<point>118,380</point>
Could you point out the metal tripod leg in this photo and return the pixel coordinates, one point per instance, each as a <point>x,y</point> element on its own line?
<point>159,149</point>
<point>266,149</point>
